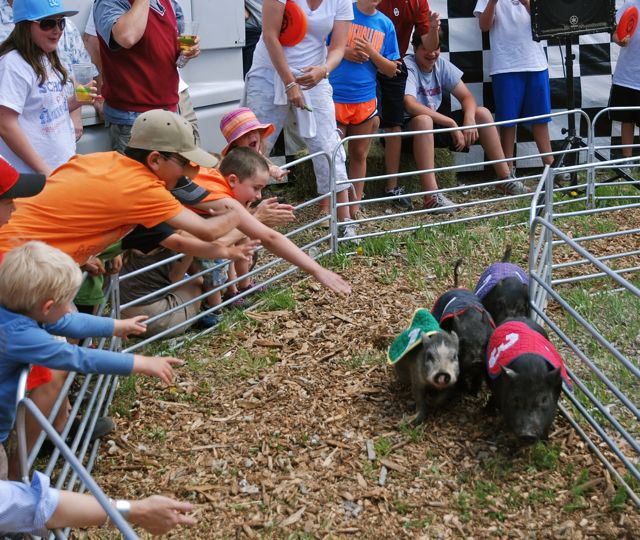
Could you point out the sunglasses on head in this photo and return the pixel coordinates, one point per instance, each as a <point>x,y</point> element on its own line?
<point>50,24</point>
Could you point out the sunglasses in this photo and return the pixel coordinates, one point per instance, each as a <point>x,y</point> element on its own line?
<point>178,160</point>
<point>50,24</point>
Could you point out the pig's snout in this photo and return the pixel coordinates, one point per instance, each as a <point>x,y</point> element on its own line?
<point>442,378</point>
<point>528,439</point>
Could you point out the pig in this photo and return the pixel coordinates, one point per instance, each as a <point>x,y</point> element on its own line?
<point>503,289</point>
<point>459,310</point>
<point>525,374</point>
<point>431,370</point>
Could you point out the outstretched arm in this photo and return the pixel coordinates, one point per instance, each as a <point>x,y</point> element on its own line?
<point>487,16</point>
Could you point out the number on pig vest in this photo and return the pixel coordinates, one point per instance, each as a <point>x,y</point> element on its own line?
<point>509,341</point>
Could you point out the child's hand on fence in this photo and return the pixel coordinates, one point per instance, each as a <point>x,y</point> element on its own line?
<point>94,266</point>
<point>272,213</point>
<point>332,281</point>
<point>135,325</point>
<point>277,173</point>
<point>243,251</point>
<point>156,366</point>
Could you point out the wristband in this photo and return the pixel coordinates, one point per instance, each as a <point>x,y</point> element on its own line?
<point>290,86</point>
<point>326,72</point>
<point>122,506</point>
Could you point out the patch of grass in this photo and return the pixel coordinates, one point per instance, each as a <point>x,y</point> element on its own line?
<point>125,397</point>
<point>338,261</point>
<point>621,497</point>
<point>577,492</point>
<point>388,276</point>
<point>541,496</point>
<point>414,433</point>
<point>544,457</point>
<point>380,245</point>
<point>497,515</point>
<point>497,469</point>
<point>418,524</point>
<point>464,506</point>
<point>156,433</point>
<point>383,446</point>
<point>401,507</point>
<point>234,320</point>
<point>277,299</point>
<point>245,364</point>
<point>365,358</point>
<point>483,491</point>
<point>369,470</point>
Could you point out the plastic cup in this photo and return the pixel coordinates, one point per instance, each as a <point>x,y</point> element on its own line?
<point>83,75</point>
<point>187,38</point>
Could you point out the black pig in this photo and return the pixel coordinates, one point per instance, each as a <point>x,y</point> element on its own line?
<point>525,374</point>
<point>460,310</point>
<point>503,289</point>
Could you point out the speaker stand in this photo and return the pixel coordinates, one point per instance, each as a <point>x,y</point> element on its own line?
<point>573,141</point>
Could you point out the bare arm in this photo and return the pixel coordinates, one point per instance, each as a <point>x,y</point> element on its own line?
<point>207,229</point>
<point>128,29</point>
<point>155,514</point>
<point>469,107</point>
<point>312,75</point>
<point>185,243</point>
<point>415,108</point>
<point>12,134</point>
<point>282,247</point>
<point>487,16</point>
<point>383,65</point>
<point>93,48</point>
<point>272,14</point>
<point>431,40</point>
<point>179,268</point>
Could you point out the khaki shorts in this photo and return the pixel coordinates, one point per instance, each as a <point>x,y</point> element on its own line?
<point>171,300</point>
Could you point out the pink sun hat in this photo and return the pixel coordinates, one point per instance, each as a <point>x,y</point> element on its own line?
<point>239,122</point>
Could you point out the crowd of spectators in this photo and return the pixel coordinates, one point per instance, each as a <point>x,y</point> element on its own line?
<point>157,194</point>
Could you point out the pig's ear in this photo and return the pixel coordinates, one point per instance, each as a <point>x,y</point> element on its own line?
<point>554,378</point>
<point>455,337</point>
<point>509,373</point>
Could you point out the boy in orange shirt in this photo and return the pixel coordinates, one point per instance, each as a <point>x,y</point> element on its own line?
<point>238,182</point>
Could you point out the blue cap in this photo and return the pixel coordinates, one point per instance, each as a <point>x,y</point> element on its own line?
<point>34,10</point>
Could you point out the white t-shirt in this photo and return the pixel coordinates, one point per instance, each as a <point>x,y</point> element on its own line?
<point>312,50</point>
<point>428,87</point>
<point>43,112</point>
<point>627,71</point>
<point>512,47</point>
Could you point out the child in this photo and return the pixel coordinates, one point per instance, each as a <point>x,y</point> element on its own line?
<point>36,132</point>
<point>430,82</point>
<point>239,182</point>
<point>625,91</point>
<point>240,127</point>
<point>37,286</point>
<point>371,47</point>
<point>519,71</point>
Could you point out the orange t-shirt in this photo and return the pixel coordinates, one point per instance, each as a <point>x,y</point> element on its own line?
<point>89,203</point>
<point>217,185</point>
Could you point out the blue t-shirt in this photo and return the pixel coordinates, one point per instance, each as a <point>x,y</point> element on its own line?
<point>356,83</point>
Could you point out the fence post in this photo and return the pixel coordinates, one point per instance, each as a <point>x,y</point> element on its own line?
<point>591,171</point>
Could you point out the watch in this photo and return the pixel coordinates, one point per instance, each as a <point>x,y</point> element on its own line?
<point>123,507</point>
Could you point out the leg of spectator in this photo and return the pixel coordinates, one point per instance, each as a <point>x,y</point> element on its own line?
<point>4,464</point>
<point>392,150</point>
<point>543,142</point>
<point>627,132</point>
<point>508,141</point>
<point>186,110</point>
<point>423,150</point>
<point>490,141</point>
<point>358,152</point>
<point>119,135</point>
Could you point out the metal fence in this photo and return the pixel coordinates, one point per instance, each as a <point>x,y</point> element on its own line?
<point>542,209</point>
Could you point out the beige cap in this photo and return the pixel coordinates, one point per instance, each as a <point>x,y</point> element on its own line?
<point>165,131</point>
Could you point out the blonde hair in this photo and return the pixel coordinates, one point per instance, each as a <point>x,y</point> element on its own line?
<point>34,273</point>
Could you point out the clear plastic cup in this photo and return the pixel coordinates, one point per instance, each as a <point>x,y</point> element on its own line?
<point>187,37</point>
<point>83,75</point>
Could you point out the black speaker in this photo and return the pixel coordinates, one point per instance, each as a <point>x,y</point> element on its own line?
<point>556,18</point>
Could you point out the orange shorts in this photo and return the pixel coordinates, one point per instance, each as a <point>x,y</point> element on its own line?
<point>353,114</point>
<point>38,376</point>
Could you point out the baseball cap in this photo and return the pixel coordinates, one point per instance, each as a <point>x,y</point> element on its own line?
<point>14,184</point>
<point>237,123</point>
<point>34,10</point>
<point>165,131</point>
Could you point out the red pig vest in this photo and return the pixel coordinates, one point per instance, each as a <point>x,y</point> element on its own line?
<point>515,338</point>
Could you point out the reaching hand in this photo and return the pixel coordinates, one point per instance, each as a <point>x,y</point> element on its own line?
<point>94,266</point>
<point>156,366</point>
<point>272,213</point>
<point>333,281</point>
<point>243,251</point>
<point>135,325</point>
<point>277,173</point>
<point>158,515</point>
<point>434,20</point>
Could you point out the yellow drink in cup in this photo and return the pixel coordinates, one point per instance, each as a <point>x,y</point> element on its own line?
<point>83,75</point>
<point>187,37</point>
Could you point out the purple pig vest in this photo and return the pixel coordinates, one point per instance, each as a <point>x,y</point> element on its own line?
<point>497,272</point>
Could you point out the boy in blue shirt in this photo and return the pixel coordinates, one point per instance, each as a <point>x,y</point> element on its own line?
<point>372,47</point>
<point>37,286</point>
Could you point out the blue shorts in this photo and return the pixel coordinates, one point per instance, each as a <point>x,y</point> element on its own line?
<point>522,94</point>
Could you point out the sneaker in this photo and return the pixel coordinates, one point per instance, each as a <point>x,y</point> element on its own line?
<point>404,203</point>
<point>208,321</point>
<point>513,187</point>
<point>442,203</point>
<point>349,231</point>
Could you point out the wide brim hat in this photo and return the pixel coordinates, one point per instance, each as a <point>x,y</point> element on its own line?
<point>239,122</point>
<point>15,185</point>
<point>422,323</point>
<point>35,10</point>
<point>165,131</point>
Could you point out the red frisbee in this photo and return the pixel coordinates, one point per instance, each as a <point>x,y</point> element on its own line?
<point>628,23</point>
<point>294,24</point>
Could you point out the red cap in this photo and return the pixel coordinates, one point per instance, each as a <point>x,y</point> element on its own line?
<point>14,184</point>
